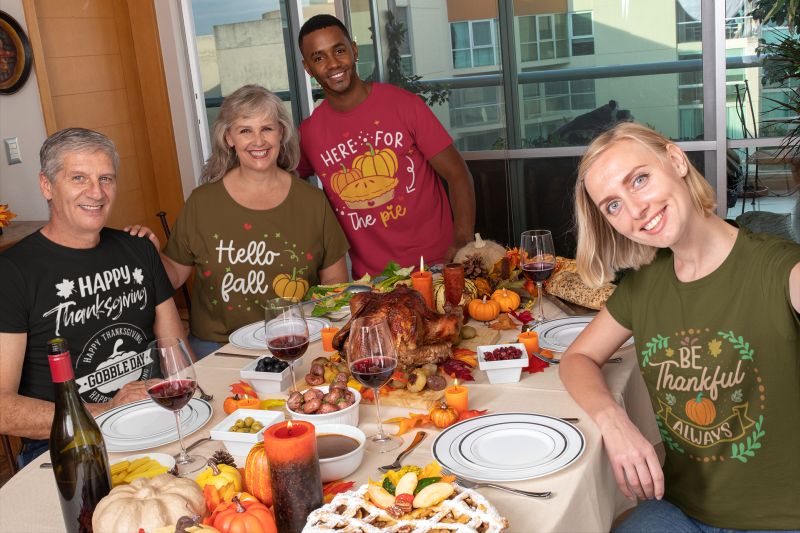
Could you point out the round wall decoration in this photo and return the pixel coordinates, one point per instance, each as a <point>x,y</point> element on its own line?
<point>15,55</point>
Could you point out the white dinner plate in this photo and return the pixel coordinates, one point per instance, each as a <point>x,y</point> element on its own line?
<point>559,333</point>
<point>142,425</point>
<point>254,336</point>
<point>508,447</point>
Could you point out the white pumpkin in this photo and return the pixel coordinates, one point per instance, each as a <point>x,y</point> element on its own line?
<point>147,503</point>
<point>490,251</point>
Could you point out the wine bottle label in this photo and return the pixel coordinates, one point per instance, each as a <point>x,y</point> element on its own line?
<point>61,367</point>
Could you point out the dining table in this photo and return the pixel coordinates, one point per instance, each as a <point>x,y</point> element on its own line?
<point>585,496</point>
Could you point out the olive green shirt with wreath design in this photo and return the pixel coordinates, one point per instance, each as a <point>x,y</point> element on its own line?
<point>243,256</point>
<point>721,359</point>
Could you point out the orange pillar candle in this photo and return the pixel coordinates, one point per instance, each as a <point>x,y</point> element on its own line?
<point>457,397</point>
<point>291,449</point>
<point>531,341</point>
<point>422,282</point>
<point>327,338</point>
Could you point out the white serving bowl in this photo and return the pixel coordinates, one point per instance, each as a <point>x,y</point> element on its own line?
<point>266,382</point>
<point>348,415</point>
<point>239,444</point>
<point>508,371</point>
<point>341,466</point>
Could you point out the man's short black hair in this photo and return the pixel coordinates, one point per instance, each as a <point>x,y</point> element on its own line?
<point>318,22</point>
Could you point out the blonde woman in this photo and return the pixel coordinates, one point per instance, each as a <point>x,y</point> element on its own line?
<point>252,230</point>
<point>714,312</point>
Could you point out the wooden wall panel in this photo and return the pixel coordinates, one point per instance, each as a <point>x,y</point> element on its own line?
<point>68,74</point>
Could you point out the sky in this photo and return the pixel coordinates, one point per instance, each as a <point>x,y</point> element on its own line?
<point>207,13</point>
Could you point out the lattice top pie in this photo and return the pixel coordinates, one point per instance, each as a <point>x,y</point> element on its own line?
<point>464,511</point>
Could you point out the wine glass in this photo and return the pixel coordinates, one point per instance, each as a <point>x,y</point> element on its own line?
<point>173,390</point>
<point>287,331</point>
<point>538,259</point>
<point>372,358</point>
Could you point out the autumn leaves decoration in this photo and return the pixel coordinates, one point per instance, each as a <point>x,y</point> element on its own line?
<point>370,182</point>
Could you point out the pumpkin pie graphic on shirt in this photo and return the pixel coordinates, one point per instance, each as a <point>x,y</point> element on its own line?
<point>370,183</point>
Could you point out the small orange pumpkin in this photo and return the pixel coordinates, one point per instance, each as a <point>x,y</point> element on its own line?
<point>380,163</point>
<point>443,416</point>
<point>242,516</point>
<point>343,178</point>
<point>508,300</point>
<point>483,310</point>
<point>290,287</point>
<point>256,474</point>
<point>700,410</point>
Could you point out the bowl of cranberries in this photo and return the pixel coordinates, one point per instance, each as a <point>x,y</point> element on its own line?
<point>503,363</point>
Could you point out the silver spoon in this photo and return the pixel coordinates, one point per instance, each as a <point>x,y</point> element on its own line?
<point>419,437</point>
<point>203,395</point>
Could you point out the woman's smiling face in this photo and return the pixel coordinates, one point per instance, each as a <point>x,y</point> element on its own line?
<point>642,195</point>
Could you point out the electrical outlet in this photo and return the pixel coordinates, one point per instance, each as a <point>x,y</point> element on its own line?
<point>12,150</point>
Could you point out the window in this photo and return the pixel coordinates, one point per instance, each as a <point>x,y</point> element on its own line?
<point>474,43</point>
<point>401,15</point>
<point>582,33</point>
<point>543,37</point>
<point>557,97</point>
<point>475,106</point>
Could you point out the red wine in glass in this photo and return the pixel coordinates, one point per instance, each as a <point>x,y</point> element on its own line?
<point>373,372</point>
<point>288,347</point>
<point>538,271</point>
<point>173,395</point>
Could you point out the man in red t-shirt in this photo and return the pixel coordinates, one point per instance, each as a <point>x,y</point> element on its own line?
<point>377,150</point>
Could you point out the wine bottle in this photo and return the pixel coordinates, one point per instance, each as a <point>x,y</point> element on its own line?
<point>77,450</point>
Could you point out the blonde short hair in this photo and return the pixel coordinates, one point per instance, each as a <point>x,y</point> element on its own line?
<point>601,250</point>
<point>249,101</point>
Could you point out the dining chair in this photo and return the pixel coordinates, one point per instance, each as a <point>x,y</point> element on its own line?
<point>162,215</point>
<point>10,452</point>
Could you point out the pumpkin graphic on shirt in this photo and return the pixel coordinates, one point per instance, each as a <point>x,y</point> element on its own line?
<point>370,182</point>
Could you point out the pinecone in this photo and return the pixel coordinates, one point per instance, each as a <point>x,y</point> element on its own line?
<point>474,267</point>
<point>223,458</point>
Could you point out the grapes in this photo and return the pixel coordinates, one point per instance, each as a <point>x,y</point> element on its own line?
<point>270,364</point>
<point>504,353</point>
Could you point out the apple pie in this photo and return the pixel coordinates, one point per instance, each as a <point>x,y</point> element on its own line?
<point>369,192</point>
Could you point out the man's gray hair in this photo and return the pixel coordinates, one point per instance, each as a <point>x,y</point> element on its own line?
<point>68,140</point>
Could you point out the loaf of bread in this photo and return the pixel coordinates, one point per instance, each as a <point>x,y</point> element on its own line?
<point>565,283</point>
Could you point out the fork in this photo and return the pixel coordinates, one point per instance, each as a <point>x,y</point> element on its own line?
<point>467,484</point>
<point>203,395</point>
<point>419,437</point>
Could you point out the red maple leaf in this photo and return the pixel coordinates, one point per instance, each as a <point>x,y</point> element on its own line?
<point>243,388</point>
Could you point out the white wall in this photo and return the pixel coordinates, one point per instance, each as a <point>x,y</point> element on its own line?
<point>21,117</point>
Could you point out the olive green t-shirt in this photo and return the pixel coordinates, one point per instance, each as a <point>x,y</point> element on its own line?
<point>244,256</point>
<point>721,359</point>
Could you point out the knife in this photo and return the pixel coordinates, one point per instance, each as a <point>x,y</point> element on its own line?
<point>231,354</point>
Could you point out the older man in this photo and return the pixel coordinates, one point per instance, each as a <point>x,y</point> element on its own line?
<point>103,290</point>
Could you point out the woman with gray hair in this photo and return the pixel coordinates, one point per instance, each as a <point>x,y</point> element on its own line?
<point>252,231</point>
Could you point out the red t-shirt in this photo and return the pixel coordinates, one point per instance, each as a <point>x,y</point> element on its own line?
<point>373,164</point>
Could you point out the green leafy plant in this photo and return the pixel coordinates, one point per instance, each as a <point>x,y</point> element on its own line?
<point>779,12</point>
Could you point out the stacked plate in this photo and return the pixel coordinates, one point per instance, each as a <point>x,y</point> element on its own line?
<point>143,424</point>
<point>254,336</point>
<point>508,447</point>
<point>557,334</point>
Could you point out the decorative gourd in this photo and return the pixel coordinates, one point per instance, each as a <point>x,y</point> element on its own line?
<point>443,416</point>
<point>380,163</point>
<point>186,524</point>
<point>470,292</point>
<point>508,300</point>
<point>243,517</point>
<point>341,179</point>
<point>483,310</point>
<point>290,287</point>
<point>223,477</point>
<point>148,503</point>
<point>700,410</point>
<point>490,251</point>
<point>256,474</point>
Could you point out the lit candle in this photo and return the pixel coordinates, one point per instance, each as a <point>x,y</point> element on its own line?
<point>327,338</point>
<point>422,282</point>
<point>457,397</point>
<point>291,449</point>
<point>531,341</point>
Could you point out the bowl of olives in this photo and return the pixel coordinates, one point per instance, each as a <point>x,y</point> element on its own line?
<point>243,428</point>
<point>267,375</point>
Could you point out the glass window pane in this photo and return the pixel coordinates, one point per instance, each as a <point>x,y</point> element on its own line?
<point>481,33</point>
<point>462,59</point>
<point>547,50</point>
<point>545,27</point>
<point>581,24</point>
<point>582,48</point>
<point>553,88</point>
<point>562,48</point>
<point>561,25</point>
<point>483,57</point>
<point>527,29</point>
<point>459,34</point>
<point>528,52</point>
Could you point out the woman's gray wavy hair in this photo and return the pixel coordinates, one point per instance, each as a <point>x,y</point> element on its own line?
<point>244,102</point>
<point>51,155</point>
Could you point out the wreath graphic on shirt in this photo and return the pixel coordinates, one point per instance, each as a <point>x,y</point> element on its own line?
<point>701,378</point>
<point>370,182</point>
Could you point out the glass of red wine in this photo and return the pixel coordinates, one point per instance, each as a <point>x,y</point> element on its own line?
<point>287,331</point>
<point>372,357</point>
<point>538,260</point>
<point>173,390</point>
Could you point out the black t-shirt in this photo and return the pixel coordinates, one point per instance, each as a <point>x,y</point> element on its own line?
<point>102,300</point>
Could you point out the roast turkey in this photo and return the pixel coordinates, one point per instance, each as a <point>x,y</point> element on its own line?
<point>420,335</point>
